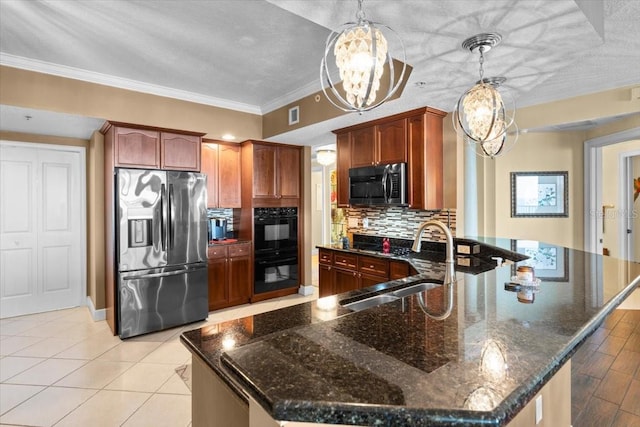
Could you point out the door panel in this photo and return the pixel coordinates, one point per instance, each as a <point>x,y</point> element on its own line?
<point>41,229</point>
<point>17,281</point>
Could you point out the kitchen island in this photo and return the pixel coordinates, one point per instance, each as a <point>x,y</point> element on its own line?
<point>484,363</point>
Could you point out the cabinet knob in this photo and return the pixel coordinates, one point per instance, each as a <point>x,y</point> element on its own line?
<point>371,266</point>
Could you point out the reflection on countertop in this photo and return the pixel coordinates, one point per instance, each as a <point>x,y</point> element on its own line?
<point>392,364</point>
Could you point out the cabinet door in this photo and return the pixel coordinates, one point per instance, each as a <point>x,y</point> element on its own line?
<point>345,280</point>
<point>343,163</point>
<point>391,142</point>
<point>229,176</point>
<point>416,162</point>
<point>367,280</point>
<point>136,148</point>
<point>180,152</point>
<point>209,156</point>
<point>398,269</point>
<point>325,280</point>
<point>218,283</point>
<point>288,167</point>
<point>239,270</point>
<point>363,147</point>
<point>264,171</point>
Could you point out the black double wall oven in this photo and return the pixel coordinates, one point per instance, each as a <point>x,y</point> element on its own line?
<point>276,249</point>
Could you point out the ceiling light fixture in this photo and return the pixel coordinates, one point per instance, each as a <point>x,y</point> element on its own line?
<point>326,157</point>
<point>480,113</point>
<point>360,52</point>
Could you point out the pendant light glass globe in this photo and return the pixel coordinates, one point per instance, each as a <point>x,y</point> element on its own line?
<point>481,113</point>
<point>360,53</point>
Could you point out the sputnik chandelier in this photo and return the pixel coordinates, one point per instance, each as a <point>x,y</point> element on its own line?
<point>480,113</point>
<point>360,52</point>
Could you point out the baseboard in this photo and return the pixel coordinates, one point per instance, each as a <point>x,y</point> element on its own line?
<point>306,289</point>
<point>97,315</point>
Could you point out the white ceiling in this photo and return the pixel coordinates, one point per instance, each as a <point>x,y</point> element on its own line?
<point>256,55</point>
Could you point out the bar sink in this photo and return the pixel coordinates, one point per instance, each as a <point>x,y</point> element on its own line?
<point>374,301</point>
<point>414,289</point>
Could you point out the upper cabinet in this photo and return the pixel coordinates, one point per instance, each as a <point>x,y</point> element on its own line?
<point>221,163</point>
<point>179,152</point>
<point>152,148</point>
<point>383,143</point>
<point>275,172</point>
<point>343,163</point>
<point>136,148</point>
<point>414,137</point>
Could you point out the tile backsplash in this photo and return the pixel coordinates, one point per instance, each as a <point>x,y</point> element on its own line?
<point>398,222</point>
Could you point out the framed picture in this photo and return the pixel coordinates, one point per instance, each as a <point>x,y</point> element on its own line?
<point>550,262</point>
<point>539,194</point>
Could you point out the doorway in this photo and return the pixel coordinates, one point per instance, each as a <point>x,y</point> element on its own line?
<point>42,228</point>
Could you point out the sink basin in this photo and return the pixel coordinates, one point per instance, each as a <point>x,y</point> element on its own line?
<point>414,289</point>
<point>374,301</point>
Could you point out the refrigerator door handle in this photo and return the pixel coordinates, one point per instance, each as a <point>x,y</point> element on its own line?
<point>163,213</point>
<point>163,274</point>
<point>171,216</point>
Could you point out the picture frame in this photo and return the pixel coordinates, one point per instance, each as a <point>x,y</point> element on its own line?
<point>550,262</point>
<point>540,194</point>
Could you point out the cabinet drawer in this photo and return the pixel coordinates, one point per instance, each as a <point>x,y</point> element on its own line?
<point>372,265</point>
<point>398,269</point>
<point>242,249</point>
<point>217,251</point>
<point>325,257</point>
<point>345,260</point>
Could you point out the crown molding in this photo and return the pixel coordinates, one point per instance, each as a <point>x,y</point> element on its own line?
<point>292,96</point>
<point>122,83</point>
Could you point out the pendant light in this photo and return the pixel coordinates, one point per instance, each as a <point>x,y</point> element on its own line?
<point>480,113</point>
<point>360,52</point>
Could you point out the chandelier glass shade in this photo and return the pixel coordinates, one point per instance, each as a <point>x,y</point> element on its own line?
<point>360,52</point>
<point>326,157</point>
<point>482,112</point>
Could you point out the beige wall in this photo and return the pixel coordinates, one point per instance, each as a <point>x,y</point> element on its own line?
<point>551,151</point>
<point>52,93</point>
<point>547,151</point>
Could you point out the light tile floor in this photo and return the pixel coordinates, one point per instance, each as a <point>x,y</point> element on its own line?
<point>61,368</point>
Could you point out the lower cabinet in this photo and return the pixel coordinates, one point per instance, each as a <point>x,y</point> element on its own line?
<point>340,271</point>
<point>229,275</point>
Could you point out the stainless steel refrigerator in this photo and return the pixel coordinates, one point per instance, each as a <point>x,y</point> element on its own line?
<point>161,247</point>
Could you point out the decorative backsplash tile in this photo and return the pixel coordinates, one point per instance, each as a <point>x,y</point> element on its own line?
<point>399,222</point>
<point>226,213</point>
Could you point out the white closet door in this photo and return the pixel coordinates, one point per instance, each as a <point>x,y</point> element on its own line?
<point>41,261</point>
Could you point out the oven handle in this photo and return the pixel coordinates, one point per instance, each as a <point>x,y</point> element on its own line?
<point>277,261</point>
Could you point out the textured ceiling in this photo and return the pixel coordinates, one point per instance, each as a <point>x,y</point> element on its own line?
<point>257,55</point>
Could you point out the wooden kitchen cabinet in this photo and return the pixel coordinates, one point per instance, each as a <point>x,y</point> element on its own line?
<point>147,147</point>
<point>363,147</point>
<point>391,142</point>
<point>221,163</point>
<point>343,163</point>
<point>276,171</point>
<point>179,152</point>
<point>229,275</point>
<point>414,137</point>
<point>340,271</point>
<point>136,148</point>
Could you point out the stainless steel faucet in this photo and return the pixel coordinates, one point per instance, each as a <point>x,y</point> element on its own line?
<point>434,222</point>
<point>450,270</point>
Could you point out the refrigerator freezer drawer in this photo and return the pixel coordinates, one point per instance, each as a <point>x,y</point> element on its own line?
<point>152,300</point>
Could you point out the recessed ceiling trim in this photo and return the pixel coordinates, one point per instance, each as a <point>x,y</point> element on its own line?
<point>122,83</point>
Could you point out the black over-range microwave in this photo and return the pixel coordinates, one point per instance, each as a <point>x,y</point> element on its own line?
<point>378,185</point>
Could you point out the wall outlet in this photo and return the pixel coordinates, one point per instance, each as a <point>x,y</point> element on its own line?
<point>365,222</point>
<point>538,409</point>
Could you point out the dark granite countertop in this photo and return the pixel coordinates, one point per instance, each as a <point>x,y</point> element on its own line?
<point>394,365</point>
